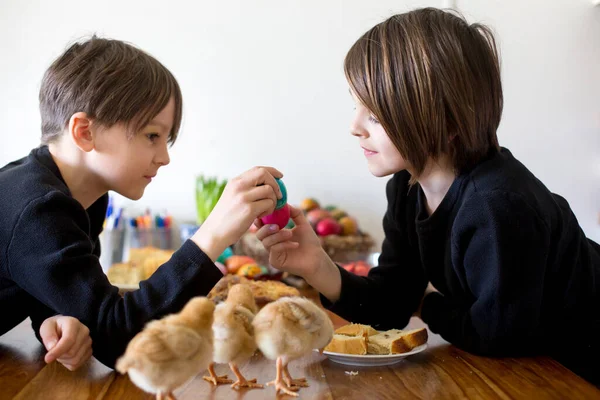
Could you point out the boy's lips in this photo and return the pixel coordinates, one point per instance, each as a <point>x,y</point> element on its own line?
<point>368,152</point>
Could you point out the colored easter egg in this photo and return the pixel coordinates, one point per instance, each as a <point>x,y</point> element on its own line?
<point>283,201</point>
<point>309,204</point>
<point>278,217</point>
<point>314,216</point>
<point>349,226</point>
<point>338,214</point>
<point>249,270</point>
<point>328,226</point>
<point>264,270</point>
<point>234,263</point>
<point>225,255</point>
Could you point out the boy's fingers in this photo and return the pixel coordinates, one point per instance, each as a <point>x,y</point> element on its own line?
<point>49,357</point>
<point>65,343</point>
<point>297,216</point>
<point>263,192</point>
<point>262,208</point>
<point>283,246</point>
<point>80,357</point>
<point>258,223</point>
<point>83,342</point>
<point>281,236</point>
<point>273,171</point>
<point>49,333</point>
<point>71,366</point>
<point>261,176</point>
<point>266,231</point>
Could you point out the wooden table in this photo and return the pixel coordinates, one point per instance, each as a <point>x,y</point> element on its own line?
<point>441,372</point>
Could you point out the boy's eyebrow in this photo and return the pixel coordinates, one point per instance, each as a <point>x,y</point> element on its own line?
<point>159,124</point>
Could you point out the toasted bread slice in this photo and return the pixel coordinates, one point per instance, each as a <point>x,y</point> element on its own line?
<point>396,341</point>
<point>348,344</point>
<point>356,330</point>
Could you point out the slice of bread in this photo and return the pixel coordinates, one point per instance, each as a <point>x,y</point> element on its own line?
<point>348,344</point>
<point>396,341</point>
<point>356,330</point>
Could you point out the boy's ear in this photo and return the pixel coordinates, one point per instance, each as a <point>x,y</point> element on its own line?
<point>80,131</point>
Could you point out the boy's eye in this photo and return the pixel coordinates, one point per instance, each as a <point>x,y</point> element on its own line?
<point>373,119</point>
<point>152,136</point>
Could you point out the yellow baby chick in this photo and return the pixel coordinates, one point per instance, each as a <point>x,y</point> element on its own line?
<point>234,335</point>
<point>287,329</point>
<point>172,350</point>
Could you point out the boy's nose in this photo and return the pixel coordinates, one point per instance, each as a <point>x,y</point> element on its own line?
<point>356,127</point>
<point>163,158</point>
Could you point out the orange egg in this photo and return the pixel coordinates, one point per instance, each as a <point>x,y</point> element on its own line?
<point>349,226</point>
<point>250,270</point>
<point>309,204</point>
<point>234,263</point>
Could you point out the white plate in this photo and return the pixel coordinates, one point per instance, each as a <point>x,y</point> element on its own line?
<point>371,360</point>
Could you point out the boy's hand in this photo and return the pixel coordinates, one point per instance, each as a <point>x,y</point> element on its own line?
<point>296,250</point>
<point>299,252</point>
<point>67,340</point>
<point>251,195</point>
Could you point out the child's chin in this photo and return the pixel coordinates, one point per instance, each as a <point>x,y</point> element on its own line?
<point>378,171</point>
<point>132,195</point>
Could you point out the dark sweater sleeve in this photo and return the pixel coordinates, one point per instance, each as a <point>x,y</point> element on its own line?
<point>51,257</point>
<point>500,245</point>
<point>391,293</point>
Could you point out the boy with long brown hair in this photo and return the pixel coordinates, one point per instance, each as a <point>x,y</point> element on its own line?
<point>474,243</point>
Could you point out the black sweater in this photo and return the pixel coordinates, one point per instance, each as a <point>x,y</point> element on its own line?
<point>49,263</point>
<point>514,269</point>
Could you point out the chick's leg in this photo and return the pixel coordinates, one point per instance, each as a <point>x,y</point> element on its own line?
<point>287,378</point>
<point>241,381</point>
<point>280,384</point>
<point>213,378</point>
<point>168,396</point>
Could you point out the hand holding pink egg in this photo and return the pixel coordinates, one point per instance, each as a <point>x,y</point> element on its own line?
<point>281,215</point>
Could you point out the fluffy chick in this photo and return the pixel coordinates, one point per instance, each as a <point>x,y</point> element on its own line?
<point>234,335</point>
<point>287,329</point>
<point>172,350</point>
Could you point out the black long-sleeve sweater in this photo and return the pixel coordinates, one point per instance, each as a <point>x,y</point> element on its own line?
<point>515,272</point>
<point>49,263</point>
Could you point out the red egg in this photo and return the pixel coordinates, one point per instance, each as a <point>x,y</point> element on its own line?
<point>328,226</point>
<point>279,217</point>
<point>314,216</point>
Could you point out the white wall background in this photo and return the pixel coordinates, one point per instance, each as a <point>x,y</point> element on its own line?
<point>263,84</point>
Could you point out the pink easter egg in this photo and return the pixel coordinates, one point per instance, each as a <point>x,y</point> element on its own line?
<point>278,217</point>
